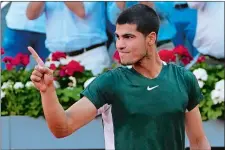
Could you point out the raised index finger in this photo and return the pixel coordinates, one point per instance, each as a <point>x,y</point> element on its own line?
<point>36,57</point>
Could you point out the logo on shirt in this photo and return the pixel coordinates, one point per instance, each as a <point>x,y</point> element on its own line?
<point>151,88</point>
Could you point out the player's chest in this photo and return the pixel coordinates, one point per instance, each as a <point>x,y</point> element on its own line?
<point>152,99</point>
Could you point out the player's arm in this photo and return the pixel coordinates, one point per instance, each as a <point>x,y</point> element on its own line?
<point>194,130</point>
<point>193,121</point>
<point>34,10</point>
<point>63,123</point>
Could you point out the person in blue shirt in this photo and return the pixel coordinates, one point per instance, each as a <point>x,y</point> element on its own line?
<point>21,33</point>
<point>76,28</point>
<point>185,21</point>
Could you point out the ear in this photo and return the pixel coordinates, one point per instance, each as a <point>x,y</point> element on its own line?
<point>151,38</point>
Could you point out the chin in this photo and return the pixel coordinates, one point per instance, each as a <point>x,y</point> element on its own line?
<point>126,63</point>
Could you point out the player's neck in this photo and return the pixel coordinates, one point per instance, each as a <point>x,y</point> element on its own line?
<point>149,67</point>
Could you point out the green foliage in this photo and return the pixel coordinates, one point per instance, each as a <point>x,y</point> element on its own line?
<point>27,100</point>
<point>208,109</point>
<point>21,102</point>
<point>15,75</point>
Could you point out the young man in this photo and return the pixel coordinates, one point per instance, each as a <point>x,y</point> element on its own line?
<point>151,103</point>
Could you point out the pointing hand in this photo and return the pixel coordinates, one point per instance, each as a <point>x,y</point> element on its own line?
<point>42,77</point>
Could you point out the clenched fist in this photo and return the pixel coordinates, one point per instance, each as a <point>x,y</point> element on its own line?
<point>42,77</point>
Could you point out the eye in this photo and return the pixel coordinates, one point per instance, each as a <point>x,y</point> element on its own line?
<point>128,37</point>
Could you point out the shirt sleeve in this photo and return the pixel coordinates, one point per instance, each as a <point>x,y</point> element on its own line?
<point>194,91</point>
<point>100,90</point>
<point>196,5</point>
<point>163,8</point>
<point>90,6</point>
<point>113,12</point>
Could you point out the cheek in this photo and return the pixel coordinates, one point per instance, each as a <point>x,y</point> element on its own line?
<point>137,49</point>
<point>133,55</point>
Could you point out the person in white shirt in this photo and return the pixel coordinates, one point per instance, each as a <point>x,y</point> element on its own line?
<point>209,37</point>
<point>76,28</point>
<point>21,33</point>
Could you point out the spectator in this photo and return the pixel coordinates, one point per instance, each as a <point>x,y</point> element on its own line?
<point>209,37</point>
<point>185,21</point>
<point>167,30</point>
<point>76,28</point>
<point>21,32</point>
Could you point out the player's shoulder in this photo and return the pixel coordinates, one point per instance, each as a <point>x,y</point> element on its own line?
<point>182,71</point>
<point>118,70</point>
<point>175,67</point>
<point>112,73</point>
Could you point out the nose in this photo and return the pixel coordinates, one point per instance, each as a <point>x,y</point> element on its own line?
<point>120,45</point>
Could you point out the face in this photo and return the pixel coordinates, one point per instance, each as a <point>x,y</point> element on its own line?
<point>132,45</point>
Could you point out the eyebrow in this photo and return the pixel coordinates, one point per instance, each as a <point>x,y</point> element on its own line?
<point>124,35</point>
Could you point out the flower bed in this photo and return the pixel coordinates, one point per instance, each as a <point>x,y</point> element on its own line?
<point>210,79</point>
<point>19,97</point>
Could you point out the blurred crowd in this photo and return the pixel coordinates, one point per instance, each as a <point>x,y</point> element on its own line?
<point>85,30</point>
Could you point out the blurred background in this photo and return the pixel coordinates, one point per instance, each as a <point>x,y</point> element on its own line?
<point>80,35</point>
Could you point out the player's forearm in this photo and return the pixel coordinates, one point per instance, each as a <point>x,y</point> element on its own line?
<point>34,10</point>
<point>77,8</point>
<point>200,144</point>
<point>54,113</point>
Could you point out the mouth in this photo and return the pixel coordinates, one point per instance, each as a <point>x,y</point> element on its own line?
<point>124,52</point>
<point>123,55</point>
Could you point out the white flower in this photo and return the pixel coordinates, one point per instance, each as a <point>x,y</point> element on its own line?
<point>64,61</point>
<point>200,83</point>
<point>200,74</point>
<point>217,96</point>
<point>56,84</point>
<point>7,84</point>
<point>48,63</point>
<point>220,85</point>
<point>57,63</point>
<point>18,85</point>
<point>74,81</point>
<point>2,94</point>
<point>49,57</point>
<point>88,81</point>
<point>29,84</point>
